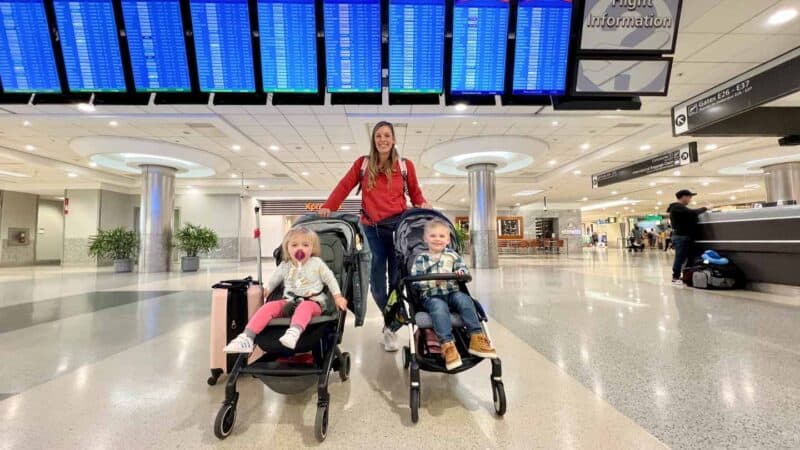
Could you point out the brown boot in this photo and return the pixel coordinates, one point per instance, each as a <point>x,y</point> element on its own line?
<point>452,359</point>
<point>479,345</point>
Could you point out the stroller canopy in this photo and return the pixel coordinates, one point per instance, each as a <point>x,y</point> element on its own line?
<point>409,240</point>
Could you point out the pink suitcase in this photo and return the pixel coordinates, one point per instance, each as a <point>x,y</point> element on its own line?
<point>233,302</point>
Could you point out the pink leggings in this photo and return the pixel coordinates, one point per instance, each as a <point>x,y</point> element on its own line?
<point>271,310</point>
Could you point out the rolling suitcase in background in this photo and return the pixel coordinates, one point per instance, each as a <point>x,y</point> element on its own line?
<point>233,302</point>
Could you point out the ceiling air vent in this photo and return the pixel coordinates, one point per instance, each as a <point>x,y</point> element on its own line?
<point>627,125</point>
<point>206,129</point>
<point>280,175</point>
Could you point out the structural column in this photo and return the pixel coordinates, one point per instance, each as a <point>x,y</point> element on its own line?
<point>155,217</point>
<point>483,216</point>
<point>782,182</point>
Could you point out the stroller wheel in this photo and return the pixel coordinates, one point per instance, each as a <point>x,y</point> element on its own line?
<point>226,417</point>
<point>414,403</point>
<point>321,423</point>
<point>344,366</point>
<point>499,396</point>
<point>406,357</point>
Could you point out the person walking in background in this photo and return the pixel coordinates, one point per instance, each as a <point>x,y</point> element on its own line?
<point>684,230</point>
<point>384,180</point>
<point>667,238</point>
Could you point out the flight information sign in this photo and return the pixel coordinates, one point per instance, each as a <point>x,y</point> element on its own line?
<point>222,44</point>
<point>353,45</point>
<point>288,37</point>
<point>27,64</point>
<point>480,31</point>
<point>542,43</point>
<point>90,45</point>
<point>416,46</point>
<point>156,44</point>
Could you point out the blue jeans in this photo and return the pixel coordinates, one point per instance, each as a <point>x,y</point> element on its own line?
<point>682,246</point>
<point>439,310</point>
<point>381,244</point>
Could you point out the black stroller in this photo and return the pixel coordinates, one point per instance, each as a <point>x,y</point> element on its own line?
<point>408,243</point>
<point>279,368</point>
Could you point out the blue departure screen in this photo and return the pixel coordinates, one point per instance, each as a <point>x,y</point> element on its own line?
<point>540,64</point>
<point>288,37</point>
<point>156,44</point>
<point>90,45</point>
<point>26,52</point>
<point>353,45</point>
<point>480,31</point>
<point>223,47</point>
<point>416,45</point>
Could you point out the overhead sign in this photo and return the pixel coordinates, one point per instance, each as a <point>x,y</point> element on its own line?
<point>623,26</point>
<point>680,156</point>
<point>770,81</point>
<point>622,76</point>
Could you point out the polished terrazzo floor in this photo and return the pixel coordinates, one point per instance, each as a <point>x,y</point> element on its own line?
<point>599,351</point>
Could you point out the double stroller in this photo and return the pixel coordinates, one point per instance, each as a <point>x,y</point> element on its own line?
<point>317,352</point>
<point>408,243</point>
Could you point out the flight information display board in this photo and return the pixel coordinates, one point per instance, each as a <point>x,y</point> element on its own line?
<point>222,44</point>
<point>90,45</point>
<point>542,44</point>
<point>480,32</point>
<point>353,45</point>
<point>288,37</point>
<point>416,46</point>
<point>27,64</point>
<point>156,44</point>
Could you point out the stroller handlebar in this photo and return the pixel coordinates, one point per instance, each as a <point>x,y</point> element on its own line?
<point>464,278</point>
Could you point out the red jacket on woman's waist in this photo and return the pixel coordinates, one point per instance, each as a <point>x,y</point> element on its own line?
<point>384,200</point>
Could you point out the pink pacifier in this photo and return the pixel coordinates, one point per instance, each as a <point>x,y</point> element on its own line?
<point>299,255</point>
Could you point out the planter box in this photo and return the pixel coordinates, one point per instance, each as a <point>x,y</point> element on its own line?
<point>190,263</point>
<point>123,265</point>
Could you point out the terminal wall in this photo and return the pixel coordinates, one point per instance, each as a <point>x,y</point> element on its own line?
<point>18,215</point>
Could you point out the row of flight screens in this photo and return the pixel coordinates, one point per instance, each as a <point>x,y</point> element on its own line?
<point>89,46</point>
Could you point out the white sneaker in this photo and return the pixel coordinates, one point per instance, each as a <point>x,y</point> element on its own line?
<point>289,339</point>
<point>240,344</point>
<point>677,282</point>
<point>390,341</point>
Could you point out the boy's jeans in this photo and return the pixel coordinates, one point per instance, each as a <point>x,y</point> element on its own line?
<point>439,309</point>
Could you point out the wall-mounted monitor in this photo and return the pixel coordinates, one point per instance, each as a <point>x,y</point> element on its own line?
<point>288,38</point>
<point>480,33</point>
<point>541,49</point>
<point>353,45</point>
<point>27,64</point>
<point>156,45</point>
<point>89,42</point>
<point>416,46</point>
<point>622,76</point>
<point>223,47</point>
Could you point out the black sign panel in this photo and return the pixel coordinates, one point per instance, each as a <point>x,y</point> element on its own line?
<point>681,156</point>
<point>770,81</point>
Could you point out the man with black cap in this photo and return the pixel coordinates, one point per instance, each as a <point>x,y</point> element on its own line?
<point>684,230</point>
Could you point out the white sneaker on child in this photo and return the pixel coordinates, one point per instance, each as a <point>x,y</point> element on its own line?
<point>390,340</point>
<point>289,339</point>
<point>240,344</point>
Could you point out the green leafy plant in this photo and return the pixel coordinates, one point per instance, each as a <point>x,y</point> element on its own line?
<point>195,239</point>
<point>462,238</point>
<point>116,244</point>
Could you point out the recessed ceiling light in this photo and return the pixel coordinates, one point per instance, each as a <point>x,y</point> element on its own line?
<point>261,186</point>
<point>26,123</point>
<point>72,174</point>
<point>733,197</point>
<point>305,174</point>
<point>437,174</point>
<point>474,122</point>
<point>262,163</point>
<point>113,123</point>
<point>273,147</point>
<point>461,107</point>
<point>92,164</point>
<point>236,147</point>
<point>516,204</point>
<point>555,123</point>
<point>655,208</point>
<point>706,183</point>
<point>345,147</point>
<point>463,200</point>
<point>659,192</point>
<point>584,146</point>
<point>30,147</point>
<point>659,203</point>
<point>613,192</point>
<point>624,198</point>
<point>711,147</point>
<point>652,184</point>
<point>576,172</point>
<point>85,107</point>
<point>625,208</point>
<point>552,162</point>
<point>645,147</point>
<point>233,175</point>
<point>694,202</point>
<point>585,199</point>
<point>677,173</point>
<point>782,16</point>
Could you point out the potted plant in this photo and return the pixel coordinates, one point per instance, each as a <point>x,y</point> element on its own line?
<point>194,239</point>
<point>118,244</point>
<point>463,239</point>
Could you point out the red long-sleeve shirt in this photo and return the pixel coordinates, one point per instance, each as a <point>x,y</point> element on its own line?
<point>383,201</point>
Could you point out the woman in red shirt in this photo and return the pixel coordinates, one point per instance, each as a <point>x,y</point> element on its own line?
<point>382,201</point>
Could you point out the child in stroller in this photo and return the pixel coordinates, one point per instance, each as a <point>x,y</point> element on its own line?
<point>409,242</point>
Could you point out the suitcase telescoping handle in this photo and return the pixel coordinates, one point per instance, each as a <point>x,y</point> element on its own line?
<point>258,239</point>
